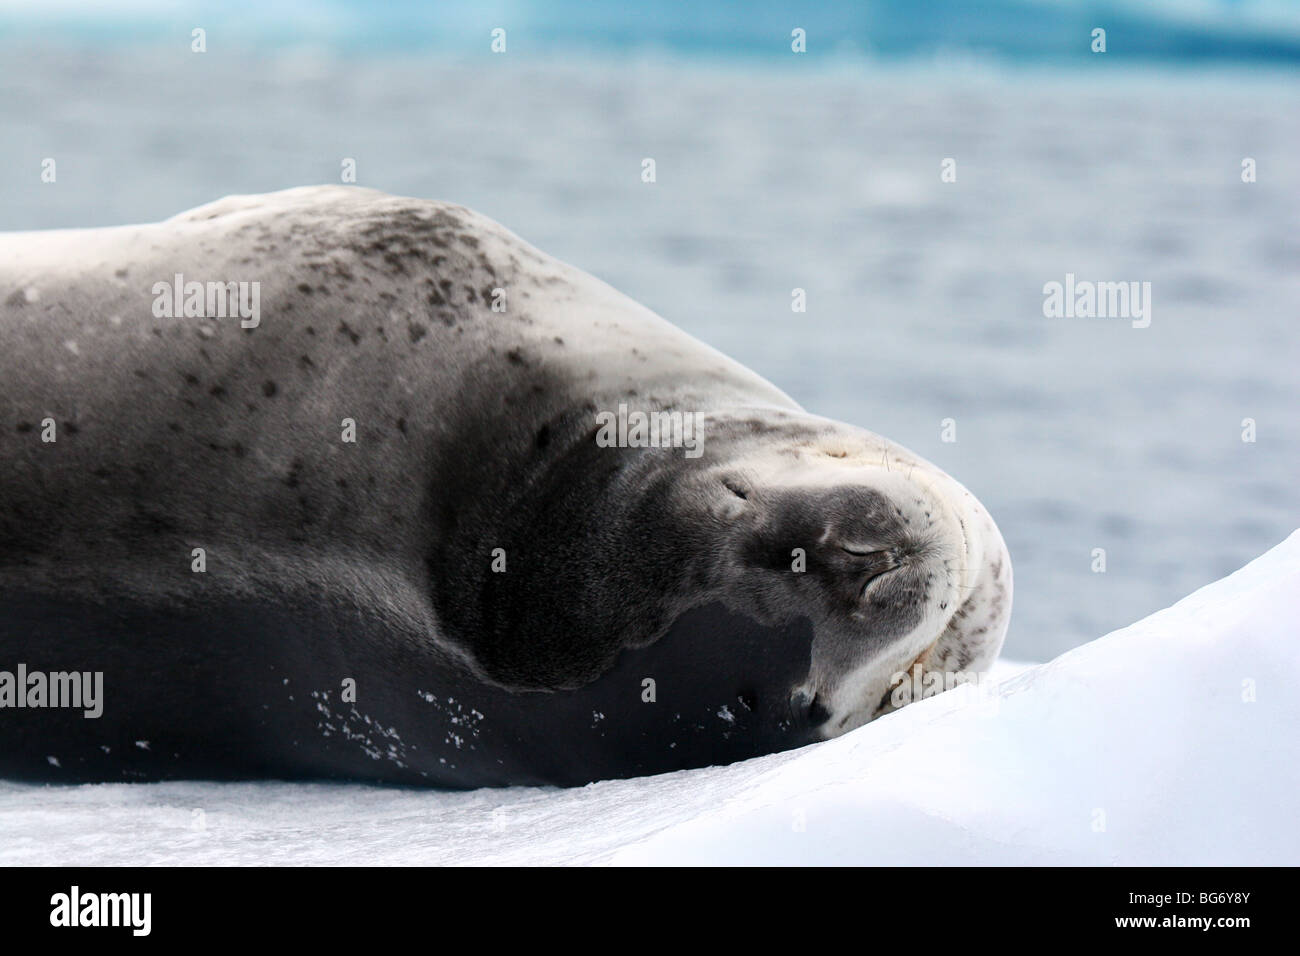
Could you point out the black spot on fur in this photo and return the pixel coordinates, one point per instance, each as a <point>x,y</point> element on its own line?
<point>347,330</point>
<point>269,389</point>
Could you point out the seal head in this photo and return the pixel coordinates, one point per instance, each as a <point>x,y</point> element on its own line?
<point>893,562</point>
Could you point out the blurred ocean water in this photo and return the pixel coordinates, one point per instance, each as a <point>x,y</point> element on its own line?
<point>925,298</point>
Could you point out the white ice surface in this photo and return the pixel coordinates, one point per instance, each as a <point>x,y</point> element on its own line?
<point>1143,747</point>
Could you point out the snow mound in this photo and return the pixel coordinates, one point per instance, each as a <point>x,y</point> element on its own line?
<point>1172,741</point>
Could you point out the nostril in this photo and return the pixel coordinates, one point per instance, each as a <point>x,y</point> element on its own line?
<point>807,709</point>
<point>799,703</point>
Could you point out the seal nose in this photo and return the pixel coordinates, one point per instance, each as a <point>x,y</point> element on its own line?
<point>807,710</point>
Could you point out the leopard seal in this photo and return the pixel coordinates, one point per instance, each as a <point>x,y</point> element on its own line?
<point>361,524</point>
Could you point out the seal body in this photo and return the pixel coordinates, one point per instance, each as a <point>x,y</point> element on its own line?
<point>364,519</point>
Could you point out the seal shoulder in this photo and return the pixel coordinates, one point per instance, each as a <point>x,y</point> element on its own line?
<point>304,202</point>
<point>365,220</point>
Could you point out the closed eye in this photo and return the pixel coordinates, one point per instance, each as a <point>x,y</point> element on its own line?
<point>872,563</point>
<point>736,490</point>
<point>860,550</point>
